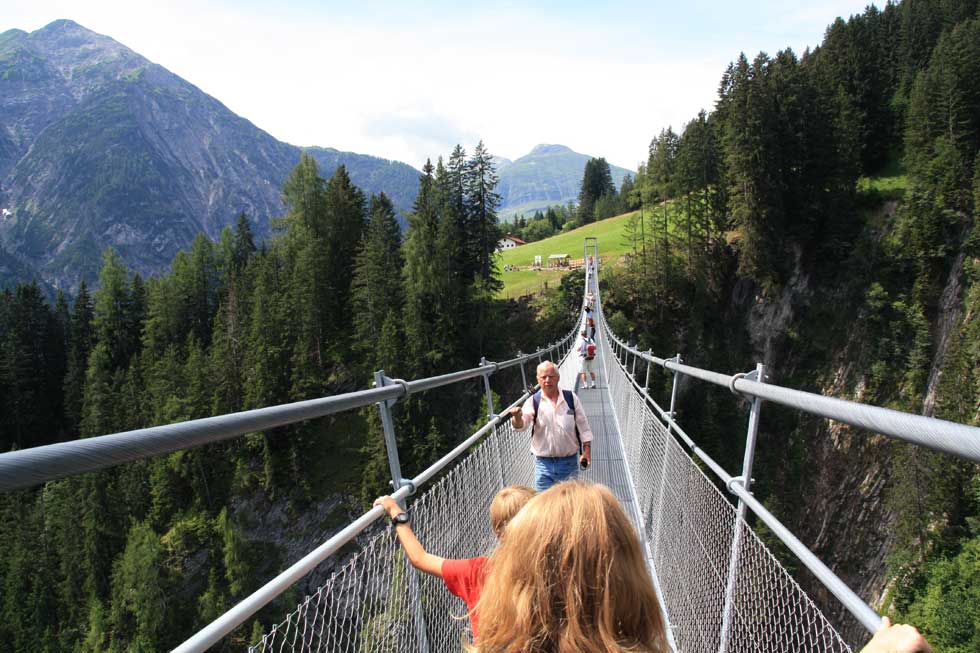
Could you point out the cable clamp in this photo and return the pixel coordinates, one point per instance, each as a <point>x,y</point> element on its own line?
<point>405,483</point>
<point>748,376</point>
<point>404,385</point>
<point>735,479</point>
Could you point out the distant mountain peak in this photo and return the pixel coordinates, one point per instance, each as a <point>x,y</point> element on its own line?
<point>99,147</point>
<point>549,175</point>
<point>545,148</point>
<point>64,24</point>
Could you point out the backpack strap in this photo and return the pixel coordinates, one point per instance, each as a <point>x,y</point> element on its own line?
<point>570,400</point>
<point>536,399</point>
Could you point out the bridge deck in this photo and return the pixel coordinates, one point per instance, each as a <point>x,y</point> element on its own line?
<point>608,460</point>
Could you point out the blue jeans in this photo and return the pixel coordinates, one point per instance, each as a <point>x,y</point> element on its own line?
<point>548,471</point>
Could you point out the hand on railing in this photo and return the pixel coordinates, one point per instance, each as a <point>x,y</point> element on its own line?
<point>898,638</point>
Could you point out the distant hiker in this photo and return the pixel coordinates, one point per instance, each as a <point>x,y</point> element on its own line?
<point>589,300</point>
<point>589,322</point>
<point>587,353</point>
<point>560,430</point>
<point>464,578</point>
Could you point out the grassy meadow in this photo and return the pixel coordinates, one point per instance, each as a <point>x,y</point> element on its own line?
<point>611,237</point>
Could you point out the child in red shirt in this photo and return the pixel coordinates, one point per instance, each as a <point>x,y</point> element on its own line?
<point>464,578</point>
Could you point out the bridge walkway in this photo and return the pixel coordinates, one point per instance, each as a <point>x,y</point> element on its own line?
<point>608,457</point>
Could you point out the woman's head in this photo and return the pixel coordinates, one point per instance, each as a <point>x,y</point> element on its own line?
<point>507,503</point>
<point>571,576</point>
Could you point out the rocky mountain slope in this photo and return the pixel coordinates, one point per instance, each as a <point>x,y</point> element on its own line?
<point>549,175</point>
<point>100,147</point>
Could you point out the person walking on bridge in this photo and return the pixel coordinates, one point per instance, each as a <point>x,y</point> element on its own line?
<point>561,439</point>
<point>586,352</point>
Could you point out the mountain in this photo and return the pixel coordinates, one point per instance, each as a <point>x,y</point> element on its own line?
<point>549,175</point>
<point>100,147</point>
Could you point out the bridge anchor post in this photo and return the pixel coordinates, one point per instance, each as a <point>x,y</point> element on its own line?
<point>391,447</point>
<point>758,374</point>
<point>486,385</point>
<point>388,425</point>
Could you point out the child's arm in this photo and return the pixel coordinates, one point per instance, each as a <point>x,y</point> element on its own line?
<point>430,564</point>
<point>897,639</point>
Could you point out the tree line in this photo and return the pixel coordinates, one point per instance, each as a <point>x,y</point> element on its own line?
<point>771,199</point>
<point>137,557</point>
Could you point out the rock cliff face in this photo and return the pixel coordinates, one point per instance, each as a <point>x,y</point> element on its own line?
<point>842,514</point>
<point>100,147</point>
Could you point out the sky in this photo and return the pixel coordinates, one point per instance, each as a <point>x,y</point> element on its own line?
<point>410,80</point>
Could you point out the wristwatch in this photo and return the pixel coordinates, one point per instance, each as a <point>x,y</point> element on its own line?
<point>400,518</point>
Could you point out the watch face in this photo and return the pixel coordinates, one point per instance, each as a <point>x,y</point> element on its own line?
<point>401,518</point>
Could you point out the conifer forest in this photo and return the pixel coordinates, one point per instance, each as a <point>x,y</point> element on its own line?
<point>822,217</point>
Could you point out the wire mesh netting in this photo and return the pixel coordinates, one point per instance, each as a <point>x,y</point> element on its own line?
<point>377,603</point>
<point>689,527</point>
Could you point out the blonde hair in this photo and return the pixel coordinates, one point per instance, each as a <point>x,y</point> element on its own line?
<point>570,576</point>
<point>506,504</point>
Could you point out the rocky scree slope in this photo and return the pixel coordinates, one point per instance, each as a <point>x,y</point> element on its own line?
<point>100,147</point>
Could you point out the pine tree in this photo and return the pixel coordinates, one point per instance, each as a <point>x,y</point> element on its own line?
<point>32,362</point>
<point>244,244</point>
<point>138,607</point>
<point>596,183</point>
<point>480,182</point>
<point>113,311</point>
<point>423,344</point>
<point>377,289</point>
<point>346,221</point>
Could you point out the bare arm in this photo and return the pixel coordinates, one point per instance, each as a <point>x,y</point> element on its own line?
<point>899,638</point>
<point>417,555</point>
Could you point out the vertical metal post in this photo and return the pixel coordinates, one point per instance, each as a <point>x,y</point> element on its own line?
<point>746,480</point>
<point>486,386</point>
<point>388,424</point>
<point>646,384</point>
<point>523,372</point>
<point>391,446</point>
<point>673,398</point>
<point>633,369</point>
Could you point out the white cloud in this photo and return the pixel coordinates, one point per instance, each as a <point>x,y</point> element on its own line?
<point>410,84</point>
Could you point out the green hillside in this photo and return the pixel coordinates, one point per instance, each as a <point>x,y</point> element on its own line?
<point>612,245</point>
<point>549,175</point>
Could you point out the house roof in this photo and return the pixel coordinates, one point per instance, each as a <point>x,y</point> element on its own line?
<point>515,239</point>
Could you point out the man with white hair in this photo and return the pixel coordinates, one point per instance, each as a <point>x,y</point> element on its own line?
<point>561,439</point>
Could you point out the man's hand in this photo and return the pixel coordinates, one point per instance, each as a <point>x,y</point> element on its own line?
<point>586,460</point>
<point>390,505</point>
<point>517,417</point>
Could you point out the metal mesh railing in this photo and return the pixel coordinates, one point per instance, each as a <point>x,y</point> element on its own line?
<point>690,529</point>
<point>377,603</point>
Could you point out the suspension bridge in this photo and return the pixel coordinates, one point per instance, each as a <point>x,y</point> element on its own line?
<point>722,590</point>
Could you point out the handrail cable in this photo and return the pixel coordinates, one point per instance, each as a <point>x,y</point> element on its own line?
<point>29,467</point>
<point>940,435</point>
<point>848,598</point>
